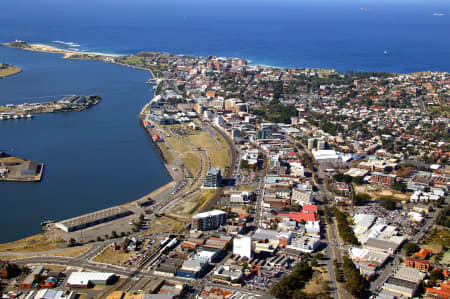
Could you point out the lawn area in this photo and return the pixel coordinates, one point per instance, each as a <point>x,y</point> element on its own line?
<point>36,243</point>
<point>71,252</point>
<point>192,162</point>
<point>219,158</point>
<point>114,257</point>
<point>203,140</point>
<point>164,224</point>
<point>380,193</point>
<point>186,207</point>
<point>166,152</point>
<point>203,200</point>
<point>222,141</point>
<point>438,238</point>
<point>318,285</point>
<point>178,145</point>
<point>245,188</point>
<point>445,260</point>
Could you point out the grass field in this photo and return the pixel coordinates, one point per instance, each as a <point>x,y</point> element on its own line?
<point>192,162</point>
<point>380,193</point>
<point>219,158</point>
<point>440,237</point>
<point>166,152</point>
<point>178,145</point>
<point>8,71</point>
<point>445,260</point>
<point>222,141</point>
<point>114,257</point>
<point>318,285</point>
<point>203,140</point>
<point>36,243</point>
<point>245,188</point>
<point>71,252</point>
<point>202,200</point>
<point>185,208</point>
<point>164,224</point>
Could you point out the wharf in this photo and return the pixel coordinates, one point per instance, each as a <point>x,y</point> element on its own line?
<point>14,169</point>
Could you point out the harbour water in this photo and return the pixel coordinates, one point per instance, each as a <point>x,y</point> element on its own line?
<point>94,159</point>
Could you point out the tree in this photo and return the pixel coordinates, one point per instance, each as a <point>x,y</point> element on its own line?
<point>344,229</point>
<point>388,204</point>
<point>399,187</point>
<point>358,180</point>
<point>355,283</point>
<point>290,285</point>
<point>320,256</point>
<point>360,199</point>
<point>410,248</point>
<point>244,164</point>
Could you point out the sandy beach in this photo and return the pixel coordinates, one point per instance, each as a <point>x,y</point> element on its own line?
<point>67,53</point>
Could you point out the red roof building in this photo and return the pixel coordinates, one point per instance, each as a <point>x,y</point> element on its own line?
<point>299,216</point>
<point>310,209</point>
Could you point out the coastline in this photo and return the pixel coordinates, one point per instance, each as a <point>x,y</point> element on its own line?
<point>50,49</point>
<point>67,54</point>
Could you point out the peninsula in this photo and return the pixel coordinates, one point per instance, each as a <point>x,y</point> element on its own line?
<point>7,70</point>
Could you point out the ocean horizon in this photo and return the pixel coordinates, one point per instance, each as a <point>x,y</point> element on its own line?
<point>381,36</point>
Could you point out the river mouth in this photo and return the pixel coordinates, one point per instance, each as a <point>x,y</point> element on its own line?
<point>94,159</point>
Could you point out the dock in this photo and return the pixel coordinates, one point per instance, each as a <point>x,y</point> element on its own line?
<point>15,169</point>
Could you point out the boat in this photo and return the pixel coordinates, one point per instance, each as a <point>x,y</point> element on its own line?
<point>385,52</point>
<point>29,116</point>
<point>438,14</point>
<point>16,116</point>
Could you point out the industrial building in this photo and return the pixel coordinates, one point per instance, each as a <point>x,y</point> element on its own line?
<point>83,280</point>
<point>209,220</point>
<point>192,269</point>
<point>92,219</point>
<point>213,178</point>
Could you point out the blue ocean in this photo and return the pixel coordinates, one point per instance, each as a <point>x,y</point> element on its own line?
<point>101,157</point>
<point>344,35</point>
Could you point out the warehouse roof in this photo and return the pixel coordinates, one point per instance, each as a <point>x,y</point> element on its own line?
<point>83,278</point>
<point>209,214</point>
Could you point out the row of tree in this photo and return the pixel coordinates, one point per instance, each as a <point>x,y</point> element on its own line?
<point>344,229</point>
<point>354,282</point>
<point>291,285</point>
